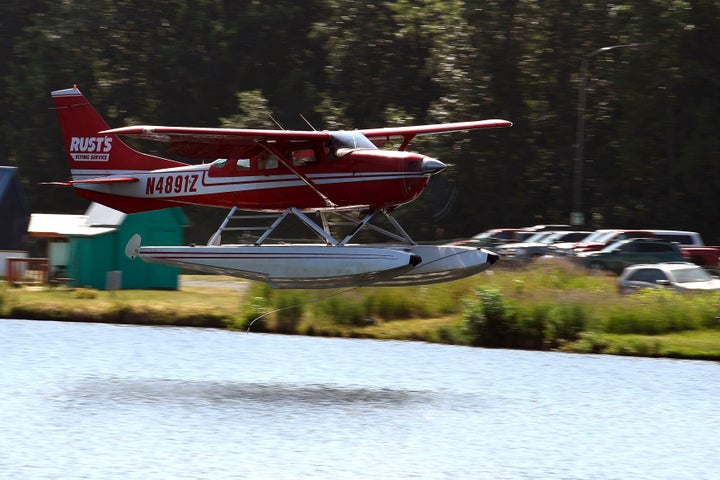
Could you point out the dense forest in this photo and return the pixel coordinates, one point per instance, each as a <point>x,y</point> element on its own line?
<point>651,149</point>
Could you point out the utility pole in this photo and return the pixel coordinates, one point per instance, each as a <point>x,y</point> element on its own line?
<point>577,217</point>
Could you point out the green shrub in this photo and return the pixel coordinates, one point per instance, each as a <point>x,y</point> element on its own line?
<point>564,322</point>
<point>488,319</point>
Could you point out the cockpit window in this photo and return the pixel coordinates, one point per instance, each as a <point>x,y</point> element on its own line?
<point>350,139</point>
<point>219,163</point>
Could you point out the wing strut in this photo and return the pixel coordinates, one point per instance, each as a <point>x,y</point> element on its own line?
<point>323,231</point>
<point>365,222</point>
<point>304,219</point>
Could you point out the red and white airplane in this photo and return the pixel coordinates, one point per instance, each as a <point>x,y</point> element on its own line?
<point>283,172</point>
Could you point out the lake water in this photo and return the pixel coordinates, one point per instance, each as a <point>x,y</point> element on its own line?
<point>91,401</point>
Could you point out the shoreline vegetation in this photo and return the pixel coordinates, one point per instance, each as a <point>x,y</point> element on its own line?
<point>551,305</point>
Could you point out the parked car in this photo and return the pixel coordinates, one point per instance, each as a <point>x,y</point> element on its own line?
<point>611,237</point>
<point>628,252</point>
<point>564,249</point>
<point>693,247</point>
<point>539,247</point>
<point>509,248</point>
<point>547,228</point>
<point>681,276</point>
<point>682,237</point>
<point>490,238</point>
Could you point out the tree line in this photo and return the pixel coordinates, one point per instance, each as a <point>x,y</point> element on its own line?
<point>651,152</point>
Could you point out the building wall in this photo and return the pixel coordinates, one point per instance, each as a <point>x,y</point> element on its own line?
<point>92,257</point>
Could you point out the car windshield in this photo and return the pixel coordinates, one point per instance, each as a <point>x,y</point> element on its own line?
<point>614,246</point>
<point>537,237</point>
<point>596,236</point>
<point>692,274</point>
<point>606,236</point>
<point>486,234</point>
<point>555,237</point>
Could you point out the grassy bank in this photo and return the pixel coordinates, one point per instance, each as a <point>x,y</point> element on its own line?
<point>552,305</point>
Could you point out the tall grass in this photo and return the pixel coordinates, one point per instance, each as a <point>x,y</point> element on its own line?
<point>546,305</point>
<point>555,302</point>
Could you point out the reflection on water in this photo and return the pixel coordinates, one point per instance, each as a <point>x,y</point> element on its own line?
<point>165,392</point>
<point>118,402</point>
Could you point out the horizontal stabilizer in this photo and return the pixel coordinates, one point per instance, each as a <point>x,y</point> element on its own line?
<point>61,184</point>
<point>99,180</point>
<point>108,180</point>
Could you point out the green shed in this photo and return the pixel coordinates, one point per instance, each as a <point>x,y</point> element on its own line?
<point>96,257</point>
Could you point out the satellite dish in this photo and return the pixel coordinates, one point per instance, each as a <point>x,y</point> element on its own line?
<point>133,246</point>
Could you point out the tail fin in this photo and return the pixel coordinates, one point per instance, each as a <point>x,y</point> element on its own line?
<point>91,154</point>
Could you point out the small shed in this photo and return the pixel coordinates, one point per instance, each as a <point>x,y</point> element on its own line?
<point>89,250</point>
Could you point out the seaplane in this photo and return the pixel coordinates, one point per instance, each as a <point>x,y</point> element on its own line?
<point>328,180</point>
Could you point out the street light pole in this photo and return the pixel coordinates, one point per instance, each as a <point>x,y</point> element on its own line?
<point>576,216</point>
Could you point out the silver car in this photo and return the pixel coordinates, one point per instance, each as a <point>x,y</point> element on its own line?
<point>538,244</point>
<point>681,276</point>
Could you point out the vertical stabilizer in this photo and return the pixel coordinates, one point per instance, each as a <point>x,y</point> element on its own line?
<point>90,153</point>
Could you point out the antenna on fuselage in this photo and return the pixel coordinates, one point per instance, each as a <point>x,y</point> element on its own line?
<point>308,122</point>
<point>276,122</point>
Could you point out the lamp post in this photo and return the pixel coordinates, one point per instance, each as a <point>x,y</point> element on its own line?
<point>576,216</point>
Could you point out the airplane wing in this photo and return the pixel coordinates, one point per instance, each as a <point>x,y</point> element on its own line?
<point>198,142</point>
<point>380,136</point>
<point>222,136</point>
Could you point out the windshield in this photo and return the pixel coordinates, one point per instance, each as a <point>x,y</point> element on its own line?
<point>614,246</point>
<point>692,274</point>
<point>483,235</point>
<point>537,237</point>
<point>350,139</point>
<point>605,236</point>
<point>596,236</point>
<point>553,237</point>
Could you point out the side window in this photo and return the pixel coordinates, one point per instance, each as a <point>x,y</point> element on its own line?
<point>676,237</point>
<point>330,151</point>
<point>659,247</point>
<point>267,161</point>
<point>303,156</point>
<point>243,164</point>
<point>648,275</point>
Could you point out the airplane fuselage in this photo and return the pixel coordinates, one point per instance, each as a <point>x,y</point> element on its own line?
<point>372,178</point>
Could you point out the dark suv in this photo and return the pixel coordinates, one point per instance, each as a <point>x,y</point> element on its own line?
<point>617,256</point>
